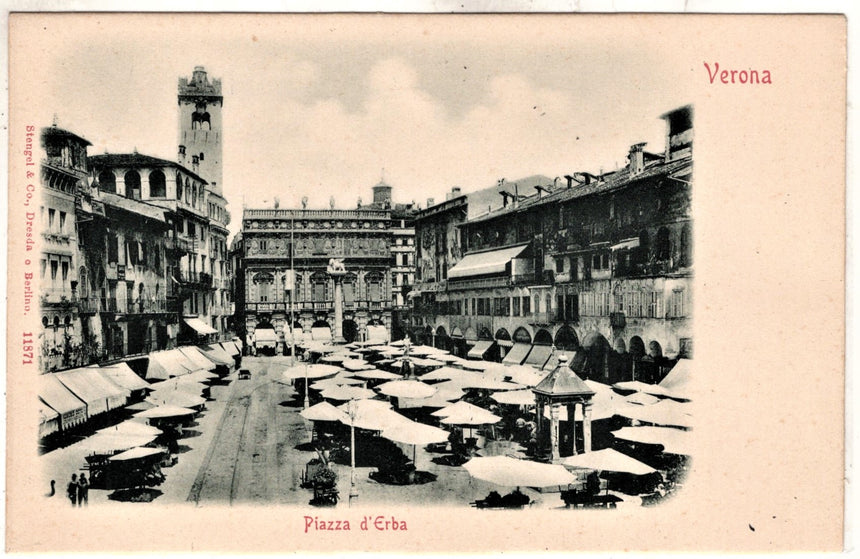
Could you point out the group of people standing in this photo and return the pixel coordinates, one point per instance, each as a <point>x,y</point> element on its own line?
<point>78,490</point>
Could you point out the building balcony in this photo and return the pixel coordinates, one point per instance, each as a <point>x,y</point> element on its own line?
<point>478,283</point>
<point>58,297</point>
<point>89,305</point>
<point>147,306</point>
<point>542,318</point>
<point>179,245</point>
<point>198,280</point>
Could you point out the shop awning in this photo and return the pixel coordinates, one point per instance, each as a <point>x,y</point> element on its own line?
<point>200,327</point>
<point>484,263</point>
<point>626,244</point>
<point>54,393</point>
<point>552,362</point>
<point>538,356</point>
<point>230,348</point>
<point>196,357</point>
<point>166,364</point>
<point>517,354</point>
<point>377,334</point>
<point>49,419</point>
<point>121,374</point>
<point>479,349</point>
<point>99,393</point>
<point>216,354</point>
<point>265,337</point>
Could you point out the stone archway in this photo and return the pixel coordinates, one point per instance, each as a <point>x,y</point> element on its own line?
<point>543,337</point>
<point>522,336</point>
<point>566,340</point>
<point>350,330</point>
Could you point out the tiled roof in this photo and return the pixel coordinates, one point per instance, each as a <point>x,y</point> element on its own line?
<point>138,160</point>
<point>614,181</point>
<point>133,206</point>
<point>562,381</point>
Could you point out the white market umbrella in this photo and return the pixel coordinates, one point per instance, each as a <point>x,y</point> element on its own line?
<point>415,434</point>
<point>419,362</point>
<point>106,443</point>
<point>373,415</point>
<point>376,374</point>
<point>333,358</point>
<point>512,472</point>
<point>344,393</point>
<point>456,407</point>
<point>406,389</point>
<point>447,373</point>
<point>136,454</point>
<point>312,371</point>
<point>642,399</point>
<point>515,397</point>
<point>161,412</point>
<point>665,413</point>
<point>357,365</point>
<point>526,376</point>
<point>608,460</point>
<point>472,418</point>
<point>673,441</point>
<point>178,398</point>
<point>476,365</point>
<point>678,382</point>
<point>133,428</point>
<point>179,385</point>
<point>323,412</point>
<point>638,386</point>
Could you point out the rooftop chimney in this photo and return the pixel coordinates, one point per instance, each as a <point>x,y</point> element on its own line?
<point>636,159</point>
<point>430,202</point>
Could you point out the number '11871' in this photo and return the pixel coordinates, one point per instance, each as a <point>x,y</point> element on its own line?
<point>27,347</point>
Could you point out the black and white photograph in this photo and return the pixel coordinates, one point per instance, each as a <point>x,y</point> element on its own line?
<point>339,264</point>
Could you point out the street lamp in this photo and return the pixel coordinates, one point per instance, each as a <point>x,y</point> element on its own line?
<point>353,490</point>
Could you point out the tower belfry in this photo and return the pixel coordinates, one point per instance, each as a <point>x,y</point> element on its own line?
<point>200,128</point>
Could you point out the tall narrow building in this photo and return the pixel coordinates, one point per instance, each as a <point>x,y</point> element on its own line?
<point>200,148</point>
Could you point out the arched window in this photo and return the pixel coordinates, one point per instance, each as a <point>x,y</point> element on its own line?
<point>107,181</point>
<point>194,195</point>
<point>187,190</point>
<point>319,282</point>
<point>157,184</point>
<point>178,186</point>
<point>132,185</point>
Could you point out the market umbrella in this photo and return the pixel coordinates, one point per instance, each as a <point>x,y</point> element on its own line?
<point>106,443</point>
<point>314,371</point>
<point>456,407</point>
<point>678,382</point>
<point>664,412</point>
<point>133,428</point>
<point>322,412</point>
<point>638,386</point>
<point>414,433</point>
<point>486,383</point>
<point>476,365</point>
<point>447,373</point>
<point>527,376</point>
<point>357,365</point>
<point>177,398</point>
<point>376,374</point>
<point>179,385</point>
<point>406,389</point>
<point>449,390</point>
<point>334,358</point>
<point>344,393</point>
<point>673,441</point>
<point>374,415</point>
<point>419,362</point>
<point>336,381</point>
<point>478,416</point>
<point>198,376</point>
<point>512,472</point>
<point>642,399</point>
<point>161,412</point>
<point>136,454</point>
<point>608,460</point>
<point>515,397</point>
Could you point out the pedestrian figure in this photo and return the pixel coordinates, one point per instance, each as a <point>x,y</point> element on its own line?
<point>72,490</point>
<point>83,491</point>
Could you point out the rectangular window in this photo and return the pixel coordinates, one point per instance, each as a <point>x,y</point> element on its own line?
<point>516,301</point>
<point>52,214</point>
<point>559,265</point>
<point>62,222</point>
<point>54,266</point>
<point>65,268</point>
<point>44,265</point>
<point>654,306</point>
<point>677,309</point>
<point>527,306</point>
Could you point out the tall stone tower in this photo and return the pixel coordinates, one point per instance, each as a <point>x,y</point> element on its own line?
<point>200,132</point>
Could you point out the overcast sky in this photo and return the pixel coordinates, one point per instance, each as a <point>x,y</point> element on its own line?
<point>318,106</point>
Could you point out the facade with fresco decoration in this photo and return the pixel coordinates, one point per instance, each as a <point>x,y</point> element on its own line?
<point>361,238</point>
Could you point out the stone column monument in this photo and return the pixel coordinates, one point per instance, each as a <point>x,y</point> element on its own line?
<point>337,270</point>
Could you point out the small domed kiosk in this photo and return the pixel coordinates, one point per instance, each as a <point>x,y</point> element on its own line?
<point>562,387</point>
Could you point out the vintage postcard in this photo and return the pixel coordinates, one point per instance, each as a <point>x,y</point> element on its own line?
<point>425,283</point>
